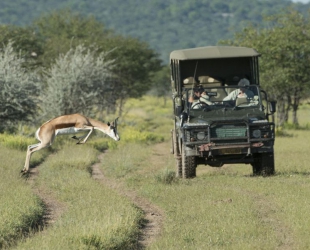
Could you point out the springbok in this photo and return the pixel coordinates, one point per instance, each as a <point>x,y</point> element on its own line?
<point>68,124</point>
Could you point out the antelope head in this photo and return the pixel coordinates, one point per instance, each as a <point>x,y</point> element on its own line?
<point>112,132</point>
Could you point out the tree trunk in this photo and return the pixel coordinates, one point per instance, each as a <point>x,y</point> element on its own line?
<point>287,107</point>
<point>295,105</point>
<point>281,112</point>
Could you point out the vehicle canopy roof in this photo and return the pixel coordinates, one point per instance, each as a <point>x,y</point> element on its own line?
<point>213,52</point>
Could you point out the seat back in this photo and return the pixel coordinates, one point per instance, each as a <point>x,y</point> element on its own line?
<point>241,100</point>
<point>189,81</point>
<point>207,81</point>
<point>221,93</point>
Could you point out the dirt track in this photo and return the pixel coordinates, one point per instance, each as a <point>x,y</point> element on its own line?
<point>153,215</point>
<point>53,208</point>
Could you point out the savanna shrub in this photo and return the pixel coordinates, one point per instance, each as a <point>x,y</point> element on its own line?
<point>130,134</point>
<point>16,141</point>
<point>281,132</point>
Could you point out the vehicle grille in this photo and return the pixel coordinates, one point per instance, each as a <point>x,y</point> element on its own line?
<point>228,131</point>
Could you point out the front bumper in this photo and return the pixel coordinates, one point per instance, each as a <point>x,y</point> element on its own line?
<point>228,138</point>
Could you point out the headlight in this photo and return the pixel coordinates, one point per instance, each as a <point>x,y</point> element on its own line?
<point>257,133</point>
<point>201,135</point>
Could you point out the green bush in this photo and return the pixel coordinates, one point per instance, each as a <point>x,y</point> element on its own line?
<point>16,141</point>
<point>281,132</point>
<point>130,134</point>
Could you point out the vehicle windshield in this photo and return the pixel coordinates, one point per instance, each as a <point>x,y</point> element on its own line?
<point>211,98</point>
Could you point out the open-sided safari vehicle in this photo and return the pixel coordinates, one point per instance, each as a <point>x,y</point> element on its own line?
<point>220,127</point>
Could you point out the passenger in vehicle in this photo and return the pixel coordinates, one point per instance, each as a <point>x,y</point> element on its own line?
<point>242,92</point>
<point>200,98</point>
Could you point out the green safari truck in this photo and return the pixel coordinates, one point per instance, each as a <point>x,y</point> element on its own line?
<point>221,114</point>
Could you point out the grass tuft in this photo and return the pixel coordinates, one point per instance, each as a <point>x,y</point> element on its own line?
<point>16,141</point>
<point>166,176</point>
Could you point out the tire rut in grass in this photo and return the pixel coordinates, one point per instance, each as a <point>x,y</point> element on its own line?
<point>153,216</point>
<point>53,208</point>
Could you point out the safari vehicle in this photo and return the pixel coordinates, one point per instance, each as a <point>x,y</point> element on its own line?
<point>220,132</point>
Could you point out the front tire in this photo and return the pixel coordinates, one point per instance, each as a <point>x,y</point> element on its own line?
<point>177,155</point>
<point>189,165</point>
<point>263,164</point>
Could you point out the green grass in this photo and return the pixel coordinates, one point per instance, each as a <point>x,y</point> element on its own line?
<point>148,115</point>
<point>95,216</point>
<point>21,210</point>
<point>16,141</point>
<point>223,208</point>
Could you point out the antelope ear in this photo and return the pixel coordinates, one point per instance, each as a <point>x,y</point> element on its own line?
<point>108,124</point>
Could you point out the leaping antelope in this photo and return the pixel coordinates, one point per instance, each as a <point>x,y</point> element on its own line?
<point>68,124</point>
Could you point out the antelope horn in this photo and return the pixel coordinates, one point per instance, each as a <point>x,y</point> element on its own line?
<point>115,122</point>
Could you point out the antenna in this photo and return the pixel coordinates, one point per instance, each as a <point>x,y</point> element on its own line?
<point>195,69</point>
<point>192,93</point>
<point>194,76</point>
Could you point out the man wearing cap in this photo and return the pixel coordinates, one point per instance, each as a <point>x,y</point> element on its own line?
<point>243,91</point>
<point>200,98</point>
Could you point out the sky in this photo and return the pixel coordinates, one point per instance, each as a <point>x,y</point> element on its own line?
<point>301,1</point>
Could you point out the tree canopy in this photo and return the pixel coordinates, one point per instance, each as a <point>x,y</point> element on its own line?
<point>284,44</point>
<point>164,24</point>
<point>77,81</point>
<point>19,89</point>
<point>73,55</point>
<point>135,62</point>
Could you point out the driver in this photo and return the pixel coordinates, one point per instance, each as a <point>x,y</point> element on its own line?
<point>243,91</point>
<point>199,99</point>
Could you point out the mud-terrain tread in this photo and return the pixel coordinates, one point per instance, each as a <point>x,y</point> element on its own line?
<point>177,156</point>
<point>264,165</point>
<point>188,165</point>
<point>178,166</point>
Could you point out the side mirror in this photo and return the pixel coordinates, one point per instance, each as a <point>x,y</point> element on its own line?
<point>178,108</point>
<point>183,118</point>
<point>272,106</point>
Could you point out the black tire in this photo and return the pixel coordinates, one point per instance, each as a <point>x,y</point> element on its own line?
<point>177,155</point>
<point>178,166</point>
<point>263,164</point>
<point>188,165</point>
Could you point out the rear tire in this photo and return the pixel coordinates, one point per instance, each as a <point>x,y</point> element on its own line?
<point>189,165</point>
<point>263,164</point>
<point>177,155</point>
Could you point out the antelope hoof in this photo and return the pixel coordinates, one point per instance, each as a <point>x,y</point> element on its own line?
<point>24,172</point>
<point>74,137</point>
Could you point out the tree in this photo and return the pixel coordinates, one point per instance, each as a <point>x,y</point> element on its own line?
<point>80,81</point>
<point>136,65</point>
<point>135,61</point>
<point>19,89</point>
<point>285,47</point>
<point>161,83</point>
<point>63,30</point>
<point>26,42</point>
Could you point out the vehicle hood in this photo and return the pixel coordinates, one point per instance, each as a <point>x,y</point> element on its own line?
<point>226,115</point>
